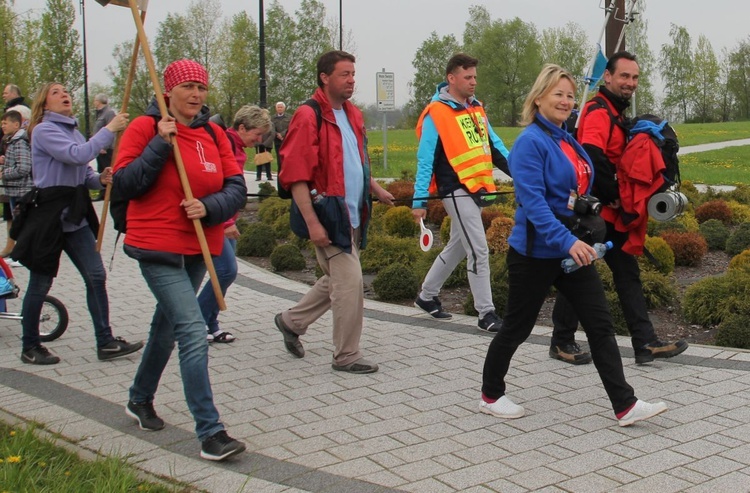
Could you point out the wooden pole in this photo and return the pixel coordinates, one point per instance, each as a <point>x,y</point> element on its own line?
<point>177,156</point>
<point>123,109</point>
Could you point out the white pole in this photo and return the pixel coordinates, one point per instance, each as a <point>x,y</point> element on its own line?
<point>385,139</point>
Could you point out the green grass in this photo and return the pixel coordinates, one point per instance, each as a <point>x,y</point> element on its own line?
<point>31,463</point>
<point>722,167</point>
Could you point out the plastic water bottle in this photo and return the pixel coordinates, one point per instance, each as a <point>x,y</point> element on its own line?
<point>569,265</point>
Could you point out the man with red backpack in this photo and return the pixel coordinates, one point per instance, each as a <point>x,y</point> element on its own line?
<point>603,133</point>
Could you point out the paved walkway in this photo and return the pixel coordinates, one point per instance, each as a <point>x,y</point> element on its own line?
<point>412,427</point>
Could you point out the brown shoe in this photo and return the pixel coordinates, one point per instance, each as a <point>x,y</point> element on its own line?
<point>659,349</point>
<point>291,340</point>
<point>359,367</point>
<point>570,353</point>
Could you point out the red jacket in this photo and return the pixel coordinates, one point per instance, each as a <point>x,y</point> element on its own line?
<point>318,157</point>
<point>639,175</point>
<point>156,221</point>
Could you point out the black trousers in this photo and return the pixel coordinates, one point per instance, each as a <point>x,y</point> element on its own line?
<point>529,281</point>
<point>104,160</point>
<point>627,278</point>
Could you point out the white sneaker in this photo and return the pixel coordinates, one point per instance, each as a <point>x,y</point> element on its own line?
<point>642,410</point>
<point>502,408</point>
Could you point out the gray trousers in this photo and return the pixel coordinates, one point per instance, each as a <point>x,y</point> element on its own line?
<point>467,241</point>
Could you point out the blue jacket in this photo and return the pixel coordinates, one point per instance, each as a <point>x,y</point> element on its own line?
<point>543,177</point>
<point>431,157</point>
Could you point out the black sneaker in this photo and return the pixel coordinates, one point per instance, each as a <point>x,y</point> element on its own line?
<point>659,349</point>
<point>144,413</point>
<point>39,355</point>
<point>219,446</point>
<point>291,340</point>
<point>490,322</point>
<point>117,348</point>
<point>433,307</point>
<point>570,353</point>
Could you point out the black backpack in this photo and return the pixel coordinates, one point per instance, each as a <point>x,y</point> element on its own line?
<point>283,192</point>
<point>665,138</point>
<point>118,207</point>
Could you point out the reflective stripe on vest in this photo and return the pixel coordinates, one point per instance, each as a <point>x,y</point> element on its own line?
<point>466,147</point>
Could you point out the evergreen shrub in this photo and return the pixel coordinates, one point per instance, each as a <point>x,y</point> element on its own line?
<point>256,241</point>
<point>734,330</point>
<point>715,233</point>
<point>740,262</point>
<point>688,248</point>
<point>267,191</point>
<point>272,208</point>
<point>498,234</point>
<point>714,209</point>
<point>739,239</point>
<point>663,254</point>
<point>706,302</point>
<point>395,282</point>
<point>399,222</point>
<point>383,251</point>
<point>287,257</point>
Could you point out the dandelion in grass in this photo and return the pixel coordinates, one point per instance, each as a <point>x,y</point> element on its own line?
<point>13,459</point>
<point>12,433</point>
<point>42,465</point>
<point>67,473</point>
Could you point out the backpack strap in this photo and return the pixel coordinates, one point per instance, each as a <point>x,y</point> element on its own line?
<point>312,103</point>
<point>209,129</point>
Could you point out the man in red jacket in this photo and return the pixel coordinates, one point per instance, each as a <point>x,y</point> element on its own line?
<point>327,160</point>
<point>602,133</point>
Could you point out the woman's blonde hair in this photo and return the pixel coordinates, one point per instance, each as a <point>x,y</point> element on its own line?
<point>251,117</point>
<point>547,79</point>
<point>38,106</point>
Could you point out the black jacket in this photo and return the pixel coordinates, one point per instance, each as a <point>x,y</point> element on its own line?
<point>38,228</point>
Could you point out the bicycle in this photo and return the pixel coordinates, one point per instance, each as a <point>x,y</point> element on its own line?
<point>53,320</point>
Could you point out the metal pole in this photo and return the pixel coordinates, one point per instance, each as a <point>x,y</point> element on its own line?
<point>262,56</point>
<point>87,118</point>
<point>385,139</point>
<point>341,25</point>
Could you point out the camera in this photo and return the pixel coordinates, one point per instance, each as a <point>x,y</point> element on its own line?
<point>585,205</point>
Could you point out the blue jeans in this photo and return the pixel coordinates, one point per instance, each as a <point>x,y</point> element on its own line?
<point>80,246</point>
<point>178,318</point>
<point>226,270</point>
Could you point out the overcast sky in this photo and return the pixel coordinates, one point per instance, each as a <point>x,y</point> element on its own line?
<point>387,33</point>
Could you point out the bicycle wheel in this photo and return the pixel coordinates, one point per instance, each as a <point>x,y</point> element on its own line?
<point>53,321</point>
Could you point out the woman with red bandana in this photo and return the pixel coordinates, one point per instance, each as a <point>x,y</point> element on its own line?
<point>162,237</point>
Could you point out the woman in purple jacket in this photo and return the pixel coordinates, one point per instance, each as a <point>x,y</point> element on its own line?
<point>62,218</point>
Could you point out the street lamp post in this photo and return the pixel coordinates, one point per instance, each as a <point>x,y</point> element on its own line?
<point>262,57</point>
<point>86,119</point>
<point>341,25</point>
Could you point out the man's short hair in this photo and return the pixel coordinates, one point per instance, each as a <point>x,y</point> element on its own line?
<point>102,98</point>
<point>280,103</point>
<point>251,117</point>
<point>14,89</point>
<point>461,60</point>
<point>620,55</point>
<point>327,62</point>
<point>13,116</point>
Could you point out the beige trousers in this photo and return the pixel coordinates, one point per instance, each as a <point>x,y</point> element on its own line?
<point>341,290</point>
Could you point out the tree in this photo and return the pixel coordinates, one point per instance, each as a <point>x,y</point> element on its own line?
<point>429,70</point>
<point>568,47</point>
<point>636,41</point>
<point>281,38</point>
<point>311,27</point>
<point>739,78</point>
<point>726,100</point>
<point>237,83</point>
<point>507,74</point>
<point>142,91</point>
<point>60,57</point>
<point>704,85</point>
<point>676,70</point>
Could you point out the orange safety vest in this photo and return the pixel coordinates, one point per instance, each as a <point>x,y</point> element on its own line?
<point>466,142</point>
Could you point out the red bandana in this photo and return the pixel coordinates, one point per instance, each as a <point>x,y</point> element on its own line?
<point>184,71</point>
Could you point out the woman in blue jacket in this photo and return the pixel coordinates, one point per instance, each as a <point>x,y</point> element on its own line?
<point>550,170</point>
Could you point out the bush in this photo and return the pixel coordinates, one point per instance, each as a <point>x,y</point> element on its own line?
<point>287,257</point>
<point>445,230</point>
<point>740,262</point>
<point>741,194</point>
<point>399,222</point>
<point>695,197</point>
<point>688,220</point>
<point>739,240</point>
<point>267,191</point>
<point>715,233</point>
<point>658,228</point>
<point>241,223</point>
<point>740,212</point>
<point>498,234</point>
<point>281,227</point>
<point>377,216</point>
<point>658,289</point>
<point>498,285</point>
<point>688,248</point>
<point>663,254</point>
<point>707,301</point>
<point>734,330</point>
<point>714,209</point>
<point>257,241</point>
<point>272,208</point>
<point>489,214</point>
<point>396,282</point>
<point>402,190</point>
<point>383,251</point>
<point>436,211</point>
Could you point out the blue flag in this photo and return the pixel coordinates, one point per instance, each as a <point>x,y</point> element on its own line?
<point>598,70</point>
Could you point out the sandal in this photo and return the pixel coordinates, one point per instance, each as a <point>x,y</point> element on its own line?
<point>224,337</point>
